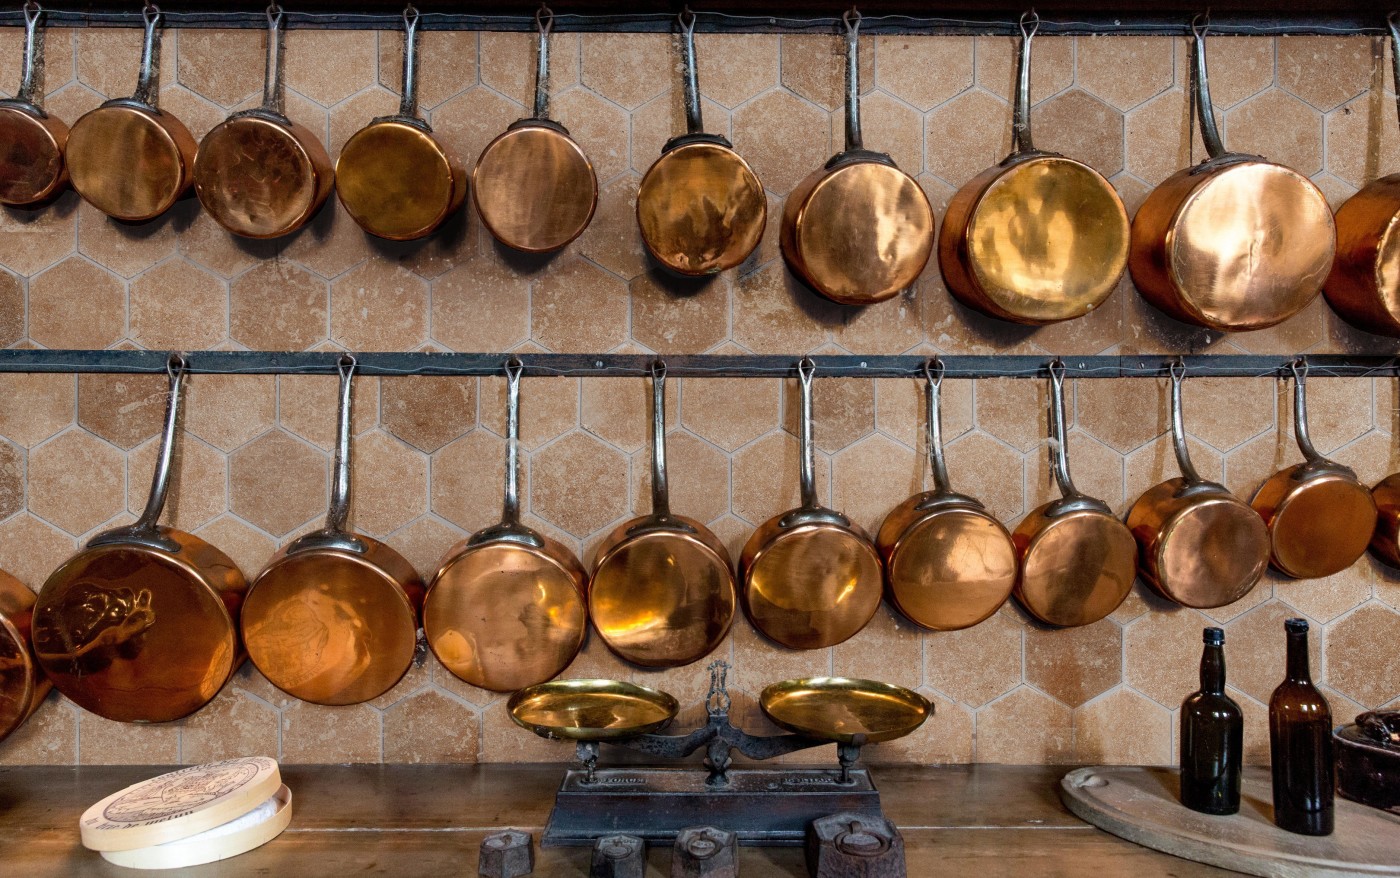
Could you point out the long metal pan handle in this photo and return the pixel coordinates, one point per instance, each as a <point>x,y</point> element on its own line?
<point>31,89</point>
<point>1057,427</point>
<point>510,512</point>
<point>408,102</point>
<point>148,78</point>
<point>807,475</point>
<point>694,124</point>
<point>660,489</point>
<point>273,92</point>
<point>339,512</point>
<point>1183,454</point>
<point>160,479</point>
<point>1021,118</point>
<point>544,23</point>
<point>1205,109</point>
<point>933,399</point>
<point>852,21</point>
<point>1393,22</point>
<point>1299,368</point>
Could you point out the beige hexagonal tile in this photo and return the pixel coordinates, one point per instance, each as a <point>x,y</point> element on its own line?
<point>425,541</point>
<point>277,482</point>
<point>379,306</point>
<point>11,309</point>
<point>925,71</point>
<point>107,59</point>
<point>1075,665</point>
<point>315,734</point>
<point>307,406</point>
<point>872,477</point>
<point>1015,411</point>
<point>428,412</point>
<point>329,245</point>
<point>1097,471</point>
<point>1161,137</point>
<point>577,307</point>
<point>890,648</point>
<point>843,410</point>
<point>730,412</point>
<point>1081,126</point>
<point>1155,463</point>
<point>104,742</point>
<point>31,549</point>
<point>349,116</point>
<point>1280,127</point>
<point>891,327</point>
<point>1224,412</point>
<point>991,471</point>
<point>1327,598</point>
<point>735,67</point>
<point>1102,60</point>
<point>1099,731</point>
<point>431,726</point>
<point>783,137</point>
<point>619,410</point>
<point>1258,649</point>
<point>76,304</point>
<point>508,62</point>
<point>1024,728</point>
<point>446,64</point>
<point>599,127</point>
<point>1362,144</point>
<point>207,243</point>
<point>1163,652</point>
<point>1239,67</point>
<point>1326,71</point>
<point>230,726</point>
<point>249,548</point>
<point>890,126</point>
<point>126,410</point>
<point>661,118</point>
<point>557,471</point>
<point>467,476</point>
<point>199,115</point>
<point>814,67</point>
<point>228,410</point>
<point>679,316</point>
<point>32,240</point>
<point>49,737</point>
<point>328,66</point>
<point>504,741</point>
<point>1123,414</point>
<point>764,478</point>
<point>650,68</point>
<point>1355,665</point>
<point>482,306</point>
<point>759,662</point>
<point>223,65</point>
<point>278,306</point>
<point>901,412</point>
<point>982,123</point>
<point>125,248</point>
<point>549,408</point>
<point>57,46</point>
<point>613,239</point>
<point>11,480</point>
<point>1052,65</point>
<point>39,405</point>
<point>76,481</point>
<point>774,313</point>
<point>198,482</point>
<point>389,483</point>
<point>178,306</point>
<point>977,664</point>
<point>697,478</point>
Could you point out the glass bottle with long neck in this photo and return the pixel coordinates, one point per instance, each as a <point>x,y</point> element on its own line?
<point>1300,742</point>
<point>1212,737</point>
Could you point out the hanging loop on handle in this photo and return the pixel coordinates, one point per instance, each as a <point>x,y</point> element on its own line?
<point>175,368</point>
<point>339,511</point>
<point>148,78</point>
<point>660,491</point>
<point>1183,454</point>
<point>693,122</point>
<point>933,393</point>
<point>31,89</point>
<point>1393,22</point>
<point>1021,119</point>
<point>1299,368</point>
<point>511,512</point>
<point>806,457</point>
<point>408,100</point>
<point>1058,440</point>
<point>544,23</point>
<point>1205,110</point>
<point>273,92</point>
<point>851,19</point>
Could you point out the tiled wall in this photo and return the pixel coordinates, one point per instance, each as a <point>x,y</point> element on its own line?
<point>77,452</point>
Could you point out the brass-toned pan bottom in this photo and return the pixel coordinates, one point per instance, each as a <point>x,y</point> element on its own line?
<point>838,709</point>
<point>591,710</point>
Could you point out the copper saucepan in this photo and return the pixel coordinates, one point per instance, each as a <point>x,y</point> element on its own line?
<point>508,607</point>
<point>141,624</point>
<point>128,158</point>
<point>662,593</point>
<point>258,173</point>
<point>1385,541</point>
<point>32,168</point>
<point>1039,238</point>
<point>1364,286</point>
<point>1320,517</point>
<point>22,685</point>
<point>533,186</point>
<point>393,176</point>
<point>858,230</point>
<point>949,563</point>
<point>1198,544</point>
<point>1236,242</point>
<point>700,207</point>
<point>333,617</point>
<point>1077,560</point>
<point>811,576</point>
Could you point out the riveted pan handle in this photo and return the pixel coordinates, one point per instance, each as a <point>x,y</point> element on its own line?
<point>933,400</point>
<point>1205,109</point>
<point>544,24</point>
<point>1299,369</point>
<point>148,78</point>
<point>660,489</point>
<point>1183,454</point>
<point>1021,116</point>
<point>334,535</point>
<point>852,22</point>
<point>273,92</point>
<point>408,102</point>
<point>31,89</point>
<point>694,124</point>
<point>806,466</point>
<point>1072,499</point>
<point>510,529</point>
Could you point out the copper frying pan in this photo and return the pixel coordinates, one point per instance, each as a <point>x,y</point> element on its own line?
<point>333,617</point>
<point>22,685</point>
<point>700,207</point>
<point>1236,242</point>
<point>1198,544</point>
<point>393,176</point>
<point>811,577</point>
<point>949,563</point>
<point>1077,560</point>
<point>1385,541</point>
<point>508,607</point>
<point>1364,286</point>
<point>662,592</point>
<point>128,158</point>
<point>31,141</point>
<point>533,186</point>
<point>1320,518</point>
<point>1039,238</point>
<point>140,625</point>
<point>258,173</point>
<point>858,230</point>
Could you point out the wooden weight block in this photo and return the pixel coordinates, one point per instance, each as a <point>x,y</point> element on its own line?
<point>705,852</point>
<point>619,856</point>
<point>854,846</point>
<point>509,853</point>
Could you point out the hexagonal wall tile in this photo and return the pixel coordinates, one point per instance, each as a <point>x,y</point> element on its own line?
<point>730,412</point>
<point>38,405</point>
<point>228,410</point>
<point>1102,61</point>
<point>1099,727</point>
<point>389,483</point>
<point>379,306</point>
<point>735,67</point>
<point>223,65</point>
<point>558,474</point>
<point>764,478</point>
<point>178,306</point>
<point>981,125</point>
<point>774,313</point>
<point>32,240</point>
<point>599,127</point>
<point>671,316</point>
<point>977,664</point>
<point>413,729</point>
<point>1163,653</point>
<point>481,307</point>
<point>1325,71</point>
<point>198,482</point>
<point>126,410</point>
<point>11,480</point>
<point>1024,728</point>
<point>578,307</point>
<point>428,412</point>
<point>871,477</point>
<point>76,481</point>
<point>697,477</point>
<point>783,137</point>
<point>278,306</point>
<point>125,248</point>
<point>814,66</point>
<point>924,71</point>
<point>307,406</point>
<point>328,66</point>
<point>1081,126</point>
<point>1259,647</point>
<point>644,77</point>
<point>1074,665</point>
<point>76,304</point>
<point>11,309</point>
<point>277,482</point>
<point>447,62</point>
<point>1357,666</point>
<point>1280,127</point>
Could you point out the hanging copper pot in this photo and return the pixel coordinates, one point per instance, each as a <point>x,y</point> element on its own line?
<point>1198,544</point>
<point>1385,541</point>
<point>811,576</point>
<point>333,617</point>
<point>22,685</point>
<point>533,186</point>
<point>141,624</point>
<point>1236,242</point>
<point>859,230</point>
<point>700,207</point>
<point>1039,238</point>
<point>1364,286</point>
<point>258,173</point>
<point>1078,560</point>
<point>662,593</point>
<point>128,158</point>
<point>949,563</point>
<point>508,607</point>
<point>394,178</point>
<point>32,168</point>
<point>1320,517</point>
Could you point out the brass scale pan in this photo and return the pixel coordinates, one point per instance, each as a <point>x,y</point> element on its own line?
<point>32,168</point>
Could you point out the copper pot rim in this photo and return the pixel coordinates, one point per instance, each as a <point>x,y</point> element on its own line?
<point>376,574</point>
<point>33,675</point>
<point>1294,489</point>
<point>1380,320</point>
<point>559,131</point>
<point>1151,563</point>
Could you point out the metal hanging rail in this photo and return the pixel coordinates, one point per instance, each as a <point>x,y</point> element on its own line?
<point>690,366</point>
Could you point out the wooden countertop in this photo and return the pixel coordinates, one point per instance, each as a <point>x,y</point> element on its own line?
<point>404,820</point>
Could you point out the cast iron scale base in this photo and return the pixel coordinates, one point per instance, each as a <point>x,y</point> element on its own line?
<point>763,806</point>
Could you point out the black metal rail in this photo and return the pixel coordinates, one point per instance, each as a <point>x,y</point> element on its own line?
<point>691,366</point>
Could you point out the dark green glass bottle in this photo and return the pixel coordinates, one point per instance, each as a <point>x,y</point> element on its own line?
<point>1212,737</point>
<point>1300,743</point>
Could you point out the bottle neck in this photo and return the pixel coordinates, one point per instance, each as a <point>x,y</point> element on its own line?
<point>1213,669</point>
<point>1298,670</point>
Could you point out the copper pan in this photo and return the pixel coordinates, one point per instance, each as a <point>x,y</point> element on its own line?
<point>1039,238</point>
<point>533,186</point>
<point>1320,517</point>
<point>141,624</point>
<point>1235,243</point>
<point>700,207</point>
<point>662,592</point>
<point>128,158</point>
<point>858,230</point>
<point>1198,544</point>
<point>1385,541</point>
<point>22,685</point>
<point>949,563</point>
<point>32,168</point>
<point>1077,560</point>
<point>333,617</point>
<point>393,176</point>
<point>508,607</point>
<point>258,173</point>
<point>811,577</point>
<point>1364,286</point>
